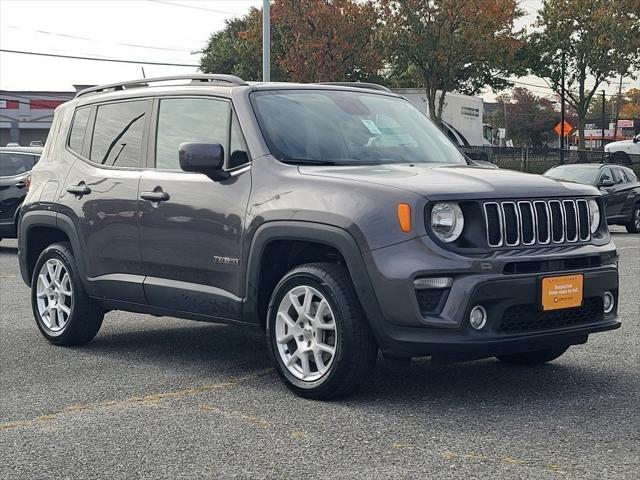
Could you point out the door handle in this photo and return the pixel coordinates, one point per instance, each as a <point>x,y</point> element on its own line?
<point>80,189</point>
<point>21,184</point>
<point>155,196</point>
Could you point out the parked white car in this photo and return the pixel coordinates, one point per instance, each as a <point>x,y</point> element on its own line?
<point>622,152</point>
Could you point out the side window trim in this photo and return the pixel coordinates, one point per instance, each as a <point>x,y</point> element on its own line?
<point>155,118</point>
<point>88,133</point>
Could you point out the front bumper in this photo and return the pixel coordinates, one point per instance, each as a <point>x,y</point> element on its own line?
<point>516,322</point>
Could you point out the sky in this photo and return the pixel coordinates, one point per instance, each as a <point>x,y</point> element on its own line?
<point>165,31</point>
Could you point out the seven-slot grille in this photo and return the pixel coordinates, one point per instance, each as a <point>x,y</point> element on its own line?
<point>538,222</point>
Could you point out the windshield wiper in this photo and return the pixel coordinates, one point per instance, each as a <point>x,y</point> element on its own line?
<point>308,161</point>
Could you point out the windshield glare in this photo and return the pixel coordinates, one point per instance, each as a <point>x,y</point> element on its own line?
<point>574,174</point>
<point>344,127</point>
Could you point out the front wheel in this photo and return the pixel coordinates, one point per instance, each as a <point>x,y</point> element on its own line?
<point>318,337</point>
<point>534,358</point>
<point>634,225</point>
<point>64,313</point>
<point>620,158</point>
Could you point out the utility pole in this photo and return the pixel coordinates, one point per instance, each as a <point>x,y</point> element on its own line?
<point>562,114</point>
<point>266,41</point>
<point>615,126</point>
<point>504,109</point>
<point>604,101</point>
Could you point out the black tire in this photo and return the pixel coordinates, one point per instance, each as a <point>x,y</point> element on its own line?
<point>634,225</point>
<point>85,317</point>
<point>620,158</point>
<point>534,358</point>
<point>355,347</point>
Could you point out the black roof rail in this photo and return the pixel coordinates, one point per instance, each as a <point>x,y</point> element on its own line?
<point>370,86</point>
<point>196,79</point>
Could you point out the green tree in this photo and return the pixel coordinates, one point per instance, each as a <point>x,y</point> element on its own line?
<point>600,40</point>
<point>451,45</point>
<point>237,49</point>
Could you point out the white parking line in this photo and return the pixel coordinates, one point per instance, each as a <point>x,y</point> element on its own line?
<point>625,248</point>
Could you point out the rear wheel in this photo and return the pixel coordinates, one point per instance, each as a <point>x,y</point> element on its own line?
<point>63,311</point>
<point>319,339</point>
<point>534,358</point>
<point>621,158</point>
<point>634,225</point>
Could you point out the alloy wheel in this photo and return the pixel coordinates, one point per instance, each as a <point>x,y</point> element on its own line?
<point>306,333</point>
<point>54,294</point>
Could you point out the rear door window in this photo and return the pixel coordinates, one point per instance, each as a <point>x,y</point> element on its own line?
<point>16,163</point>
<point>117,135</point>
<point>190,120</point>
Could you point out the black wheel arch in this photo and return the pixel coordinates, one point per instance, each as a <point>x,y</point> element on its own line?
<point>331,236</point>
<point>53,222</point>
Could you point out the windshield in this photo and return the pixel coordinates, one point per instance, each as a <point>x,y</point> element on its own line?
<point>347,128</point>
<point>573,173</point>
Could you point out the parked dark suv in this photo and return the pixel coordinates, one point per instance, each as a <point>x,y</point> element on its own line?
<point>619,186</point>
<point>15,165</point>
<point>337,218</point>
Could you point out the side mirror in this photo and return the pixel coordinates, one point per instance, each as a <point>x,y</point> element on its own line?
<point>607,183</point>
<point>206,158</point>
<point>636,139</point>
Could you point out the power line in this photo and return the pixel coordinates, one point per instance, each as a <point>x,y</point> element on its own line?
<point>88,39</point>
<point>96,59</point>
<point>194,7</point>
<point>547,87</point>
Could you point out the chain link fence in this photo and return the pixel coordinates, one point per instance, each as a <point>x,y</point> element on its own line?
<point>541,159</point>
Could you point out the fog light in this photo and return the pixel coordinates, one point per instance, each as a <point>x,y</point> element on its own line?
<point>478,317</point>
<point>608,302</point>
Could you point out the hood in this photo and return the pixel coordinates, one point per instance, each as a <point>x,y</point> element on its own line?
<point>618,144</point>
<point>454,182</point>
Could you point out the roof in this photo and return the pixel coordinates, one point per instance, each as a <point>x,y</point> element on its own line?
<point>226,82</point>
<point>591,165</point>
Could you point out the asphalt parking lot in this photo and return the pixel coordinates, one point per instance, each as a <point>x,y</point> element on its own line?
<point>167,398</point>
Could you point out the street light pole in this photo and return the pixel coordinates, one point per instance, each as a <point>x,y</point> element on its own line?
<point>266,41</point>
<point>604,100</point>
<point>562,114</point>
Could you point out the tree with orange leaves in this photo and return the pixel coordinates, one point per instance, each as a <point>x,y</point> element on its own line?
<point>328,40</point>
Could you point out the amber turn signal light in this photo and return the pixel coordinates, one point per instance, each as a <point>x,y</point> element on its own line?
<point>404,217</point>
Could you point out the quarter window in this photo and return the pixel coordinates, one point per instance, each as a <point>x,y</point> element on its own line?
<point>117,135</point>
<point>78,128</point>
<point>189,120</point>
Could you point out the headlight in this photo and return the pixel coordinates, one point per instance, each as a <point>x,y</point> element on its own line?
<point>594,215</point>
<point>447,221</point>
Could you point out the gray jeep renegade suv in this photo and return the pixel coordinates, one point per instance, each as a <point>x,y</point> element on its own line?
<point>336,217</point>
